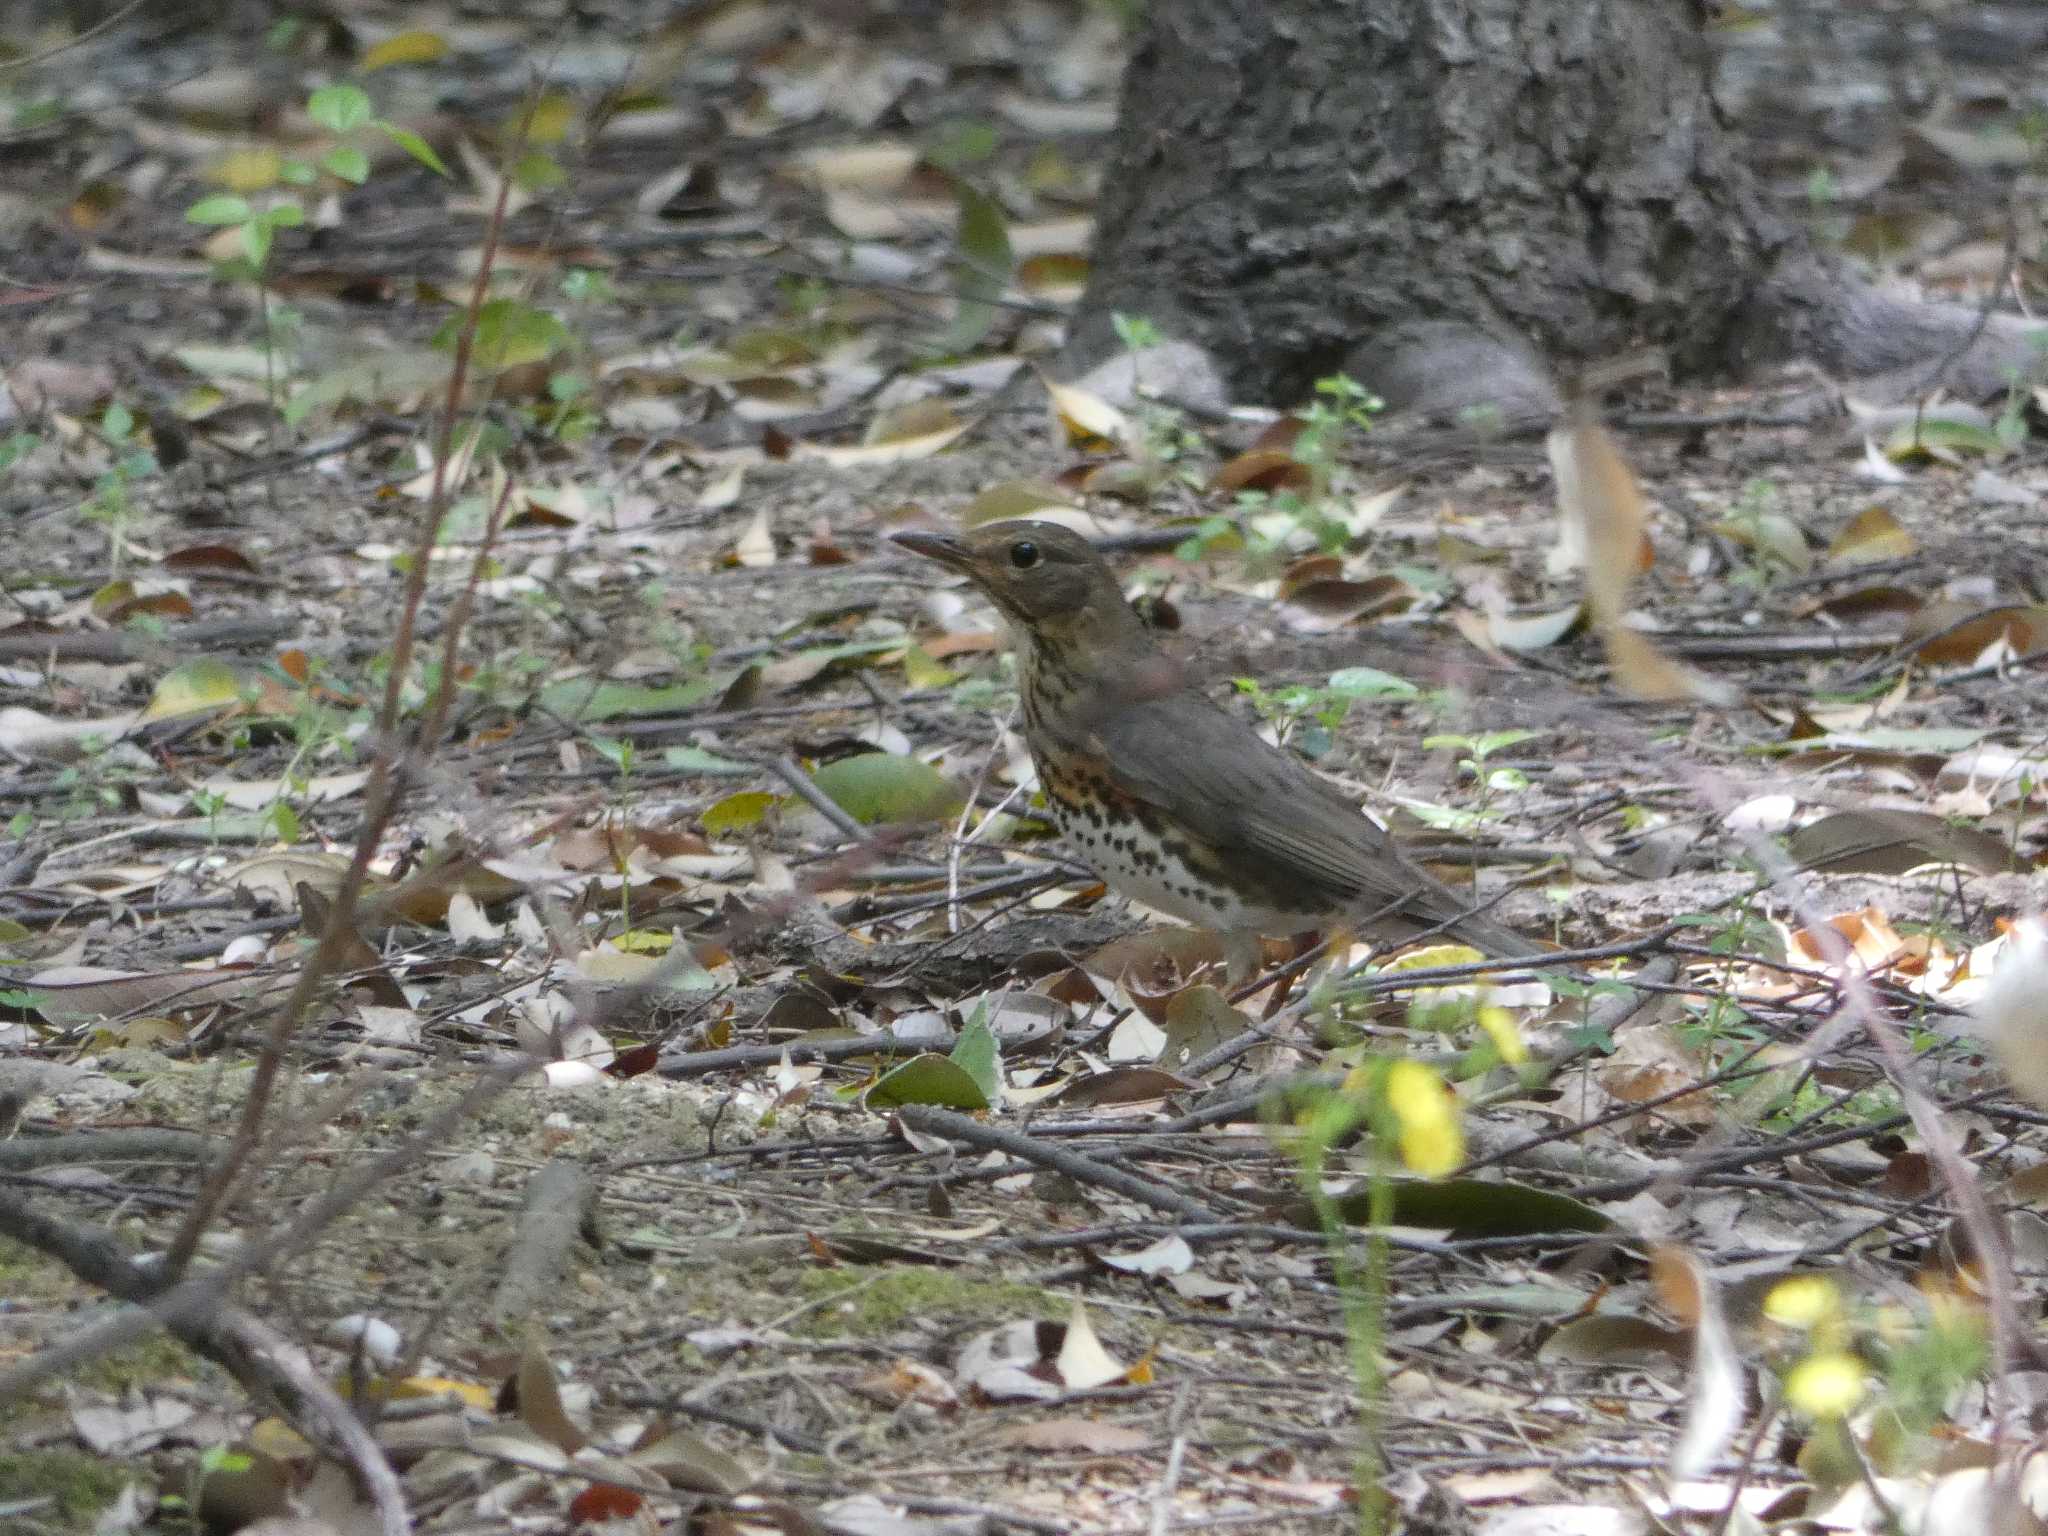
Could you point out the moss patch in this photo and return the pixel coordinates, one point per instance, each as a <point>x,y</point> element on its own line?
<point>82,1485</point>
<point>876,1301</point>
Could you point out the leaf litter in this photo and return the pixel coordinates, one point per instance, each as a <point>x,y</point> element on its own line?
<point>605,879</point>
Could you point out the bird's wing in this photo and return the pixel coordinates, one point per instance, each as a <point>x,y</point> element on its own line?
<point>1208,770</point>
<point>1260,805</point>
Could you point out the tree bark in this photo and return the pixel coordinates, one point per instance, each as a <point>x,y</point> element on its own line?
<point>1453,199</point>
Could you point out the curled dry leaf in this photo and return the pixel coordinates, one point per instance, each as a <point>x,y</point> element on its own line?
<point>908,1381</point>
<point>26,735</point>
<point>1088,421</point>
<point>875,165</point>
<point>1015,498</point>
<point>1170,1255</point>
<point>1083,1362</point>
<point>1011,1363</point>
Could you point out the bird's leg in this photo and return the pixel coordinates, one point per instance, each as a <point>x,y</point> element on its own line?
<point>1241,956</point>
<point>1311,949</point>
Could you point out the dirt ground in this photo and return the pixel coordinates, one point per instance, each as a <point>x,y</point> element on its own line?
<point>582,1167</point>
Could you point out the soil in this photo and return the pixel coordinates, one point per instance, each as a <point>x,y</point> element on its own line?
<point>518,1122</point>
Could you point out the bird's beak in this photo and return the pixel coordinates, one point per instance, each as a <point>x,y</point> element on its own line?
<point>942,547</point>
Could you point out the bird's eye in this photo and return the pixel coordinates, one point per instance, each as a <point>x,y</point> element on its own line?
<point>1023,554</point>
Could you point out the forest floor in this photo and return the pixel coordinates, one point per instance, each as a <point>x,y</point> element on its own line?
<point>586,1143</point>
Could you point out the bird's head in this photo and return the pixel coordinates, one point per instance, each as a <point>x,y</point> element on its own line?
<point>1047,579</point>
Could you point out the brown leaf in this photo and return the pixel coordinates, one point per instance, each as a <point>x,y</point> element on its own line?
<point>1093,1437</point>
<point>604,1501</point>
<point>1872,534</point>
<point>1262,469</point>
<point>1949,632</point>
<point>1866,604</point>
<point>1124,1085</point>
<point>209,557</point>
<point>540,1403</point>
<point>1316,607</point>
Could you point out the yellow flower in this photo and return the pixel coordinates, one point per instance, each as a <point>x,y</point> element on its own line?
<point>1826,1386</point>
<point>1431,1142</point>
<point>1499,1025</point>
<point>1803,1301</point>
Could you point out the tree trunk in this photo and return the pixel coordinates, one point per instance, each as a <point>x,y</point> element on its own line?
<point>1452,198</point>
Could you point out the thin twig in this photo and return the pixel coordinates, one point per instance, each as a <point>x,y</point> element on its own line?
<point>805,788</point>
<point>1082,1169</point>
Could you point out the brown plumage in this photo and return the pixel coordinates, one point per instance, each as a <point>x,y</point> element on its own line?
<point>1169,798</point>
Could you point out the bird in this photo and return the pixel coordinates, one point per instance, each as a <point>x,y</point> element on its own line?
<point>1168,797</point>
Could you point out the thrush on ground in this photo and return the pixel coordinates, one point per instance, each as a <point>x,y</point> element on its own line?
<point>1169,798</point>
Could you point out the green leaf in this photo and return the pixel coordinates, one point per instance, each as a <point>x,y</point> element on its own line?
<point>256,238</point>
<point>415,146</point>
<point>116,423</point>
<point>1490,742</point>
<point>1135,331</point>
<point>16,447</point>
<point>1469,1208</point>
<point>983,267</point>
<point>417,47</point>
<point>194,687</point>
<point>224,208</point>
<point>1371,683</point>
<point>510,334</point>
<point>739,813</point>
<point>1930,739</point>
<point>884,787</point>
<point>961,143</point>
<point>284,215</point>
<point>538,171</point>
<point>1883,840</point>
<point>339,108</point>
<point>297,173</point>
<point>697,760</point>
<point>928,1079</point>
<point>977,1054</point>
<point>1942,437</point>
<point>347,162</point>
<point>576,699</point>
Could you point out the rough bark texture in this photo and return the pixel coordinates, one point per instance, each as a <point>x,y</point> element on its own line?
<point>1450,198</point>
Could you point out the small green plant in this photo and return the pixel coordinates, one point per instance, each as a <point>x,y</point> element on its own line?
<point>1410,1120</point>
<point>1307,716</point>
<point>1342,406</point>
<point>1899,1367</point>
<point>1170,441</point>
<point>1135,332</point>
<point>15,447</point>
<point>1341,409</point>
<point>345,111</point>
<point>1476,750</point>
<point>568,416</point>
<point>112,503</point>
<point>2011,429</point>
<point>1775,542</point>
